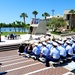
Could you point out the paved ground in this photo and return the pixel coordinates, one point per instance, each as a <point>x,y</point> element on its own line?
<point>16,41</point>
<point>19,65</point>
<point>26,37</point>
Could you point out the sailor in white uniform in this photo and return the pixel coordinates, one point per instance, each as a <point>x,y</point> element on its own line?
<point>69,48</point>
<point>73,46</point>
<point>62,50</point>
<point>49,45</point>
<point>54,55</point>
<point>45,51</point>
<point>35,51</point>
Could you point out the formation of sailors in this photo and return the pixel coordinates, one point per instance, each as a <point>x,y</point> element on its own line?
<point>51,50</point>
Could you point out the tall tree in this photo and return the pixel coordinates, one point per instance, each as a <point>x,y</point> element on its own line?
<point>55,23</point>
<point>24,15</point>
<point>35,13</point>
<point>18,25</point>
<point>14,25</point>
<point>45,15</point>
<point>72,12</point>
<point>23,25</point>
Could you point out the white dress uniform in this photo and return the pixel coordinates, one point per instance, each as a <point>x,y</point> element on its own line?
<point>69,50</point>
<point>49,46</point>
<point>62,51</point>
<point>73,46</point>
<point>45,51</point>
<point>40,46</point>
<point>55,53</point>
<point>36,49</point>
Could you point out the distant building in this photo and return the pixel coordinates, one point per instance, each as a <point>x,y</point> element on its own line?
<point>56,16</point>
<point>49,17</point>
<point>69,18</point>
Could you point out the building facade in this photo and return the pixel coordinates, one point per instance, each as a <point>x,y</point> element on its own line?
<point>70,19</point>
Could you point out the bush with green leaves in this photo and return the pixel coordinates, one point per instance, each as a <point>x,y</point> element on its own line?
<point>73,30</point>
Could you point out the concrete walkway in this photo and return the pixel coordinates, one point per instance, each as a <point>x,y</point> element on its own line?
<point>26,37</point>
<point>16,41</point>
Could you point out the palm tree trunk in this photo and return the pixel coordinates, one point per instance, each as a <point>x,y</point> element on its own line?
<point>35,17</point>
<point>45,17</point>
<point>15,29</point>
<point>24,23</point>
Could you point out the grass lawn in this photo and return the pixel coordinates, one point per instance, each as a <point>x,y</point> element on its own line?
<point>6,33</point>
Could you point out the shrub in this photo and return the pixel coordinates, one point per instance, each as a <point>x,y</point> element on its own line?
<point>73,30</point>
<point>56,32</point>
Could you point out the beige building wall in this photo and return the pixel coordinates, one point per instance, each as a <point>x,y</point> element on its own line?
<point>69,18</point>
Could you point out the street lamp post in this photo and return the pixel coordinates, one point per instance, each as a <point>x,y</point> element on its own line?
<point>53,13</point>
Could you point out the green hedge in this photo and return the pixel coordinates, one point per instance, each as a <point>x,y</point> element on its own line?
<point>57,33</point>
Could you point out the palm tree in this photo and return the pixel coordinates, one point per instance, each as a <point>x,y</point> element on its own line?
<point>18,25</point>
<point>23,25</point>
<point>14,25</point>
<point>35,13</point>
<point>45,15</point>
<point>24,15</point>
<point>71,18</point>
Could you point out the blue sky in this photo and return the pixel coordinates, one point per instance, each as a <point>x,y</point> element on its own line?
<point>10,10</point>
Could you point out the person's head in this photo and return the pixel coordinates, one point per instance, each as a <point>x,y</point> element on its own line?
<point>36,44</point>
<point>68,42</point>
<point>44,43</point>
<point>60,43</point>
<point>55,44</point>
<point>74,40</point>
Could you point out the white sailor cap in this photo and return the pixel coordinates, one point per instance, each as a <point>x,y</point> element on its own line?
<point>26,42</point>
<point>55,44</point>
<point>31,41</point>
<point>60,42</point>
<point>73,39</point>
<point>60,39</point>
<point>42,39</point>
<point>48,41</point>
<point>44,43</point>
<point>69,42</point>
<point>36,43</point>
